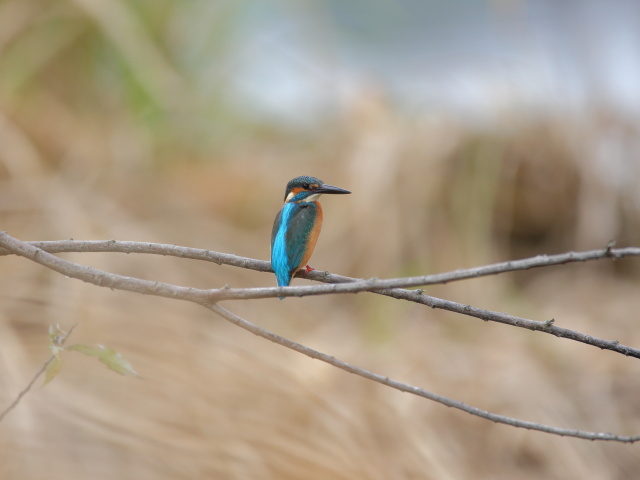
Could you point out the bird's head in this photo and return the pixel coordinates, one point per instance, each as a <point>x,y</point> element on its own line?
<point>308,189</point>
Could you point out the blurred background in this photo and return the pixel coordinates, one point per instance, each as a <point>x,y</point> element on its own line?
<point>468,132</point>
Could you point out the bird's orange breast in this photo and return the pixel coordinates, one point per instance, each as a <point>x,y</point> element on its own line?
<point>313,236</point>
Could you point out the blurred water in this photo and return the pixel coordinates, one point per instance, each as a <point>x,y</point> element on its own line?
<point>297,61</point>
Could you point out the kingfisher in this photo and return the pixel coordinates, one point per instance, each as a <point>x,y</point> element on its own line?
<point>297,226</point>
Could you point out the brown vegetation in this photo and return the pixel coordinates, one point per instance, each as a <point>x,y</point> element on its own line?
<point>92,155</point>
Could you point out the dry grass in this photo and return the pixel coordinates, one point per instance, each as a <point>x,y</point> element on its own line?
<point>429,195</point>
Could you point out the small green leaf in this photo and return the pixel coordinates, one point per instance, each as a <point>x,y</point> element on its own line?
<point>116,362</point>
<point>111,358</point>
<point>53,368</point>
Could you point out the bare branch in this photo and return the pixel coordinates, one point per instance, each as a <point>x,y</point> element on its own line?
<point>205,297</point>
<point>101,278</point>
<point>355,285</point>
<point>404,387</point>
<point>118,246</point>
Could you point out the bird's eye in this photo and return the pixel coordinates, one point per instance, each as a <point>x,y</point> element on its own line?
<point>305,186</point>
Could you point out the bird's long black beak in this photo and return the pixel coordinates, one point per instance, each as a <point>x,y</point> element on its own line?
<point>330,189</point>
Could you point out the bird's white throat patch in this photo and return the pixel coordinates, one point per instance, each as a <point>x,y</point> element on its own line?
<point>310,198</point>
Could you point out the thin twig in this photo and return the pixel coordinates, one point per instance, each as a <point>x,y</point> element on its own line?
<point>61,342</point>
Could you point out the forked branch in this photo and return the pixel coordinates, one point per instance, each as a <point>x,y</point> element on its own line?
<point>347,284</point>
<point>209,299</point>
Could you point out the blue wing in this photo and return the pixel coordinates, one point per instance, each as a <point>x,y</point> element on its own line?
<point>290,239</point>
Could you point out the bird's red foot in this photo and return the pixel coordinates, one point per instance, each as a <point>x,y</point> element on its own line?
<point>306,270</point>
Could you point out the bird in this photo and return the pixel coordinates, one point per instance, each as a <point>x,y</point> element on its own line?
<point>297,226</point>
